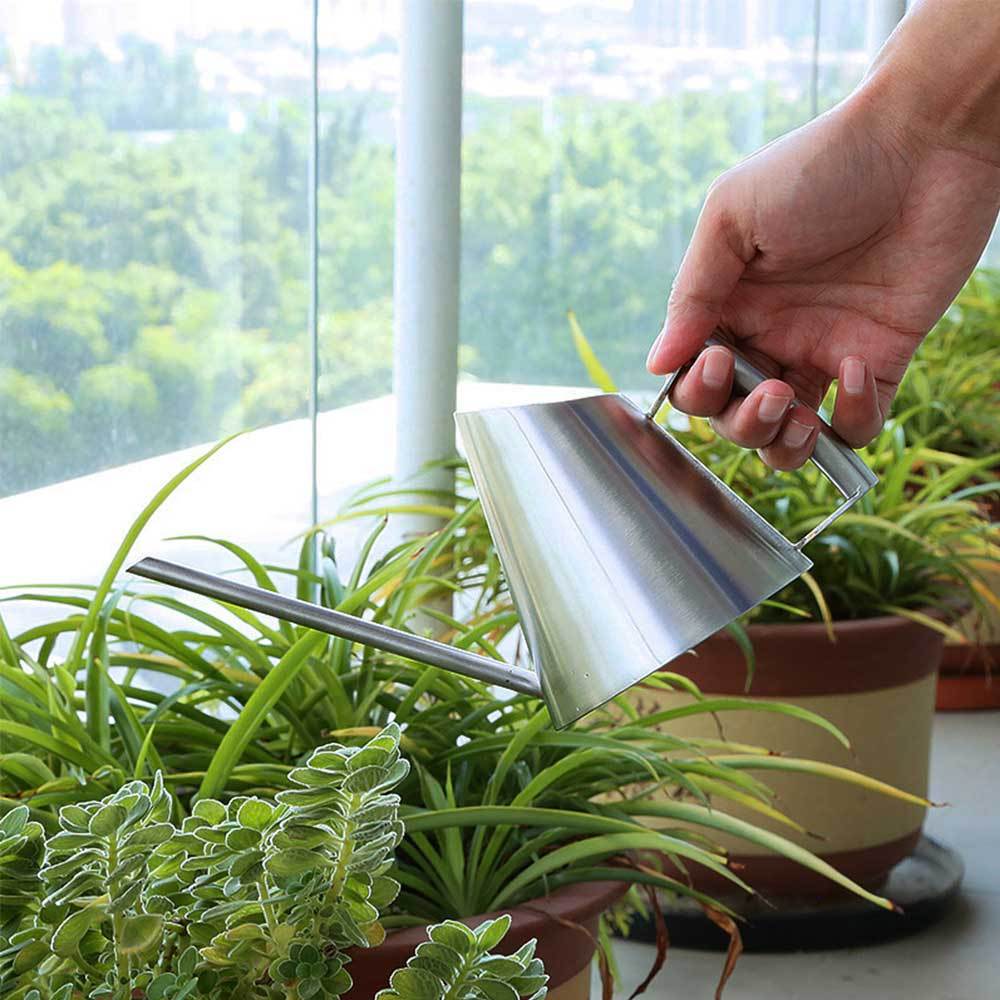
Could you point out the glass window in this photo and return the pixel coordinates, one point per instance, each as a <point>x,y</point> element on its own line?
<point>155,258</point>
<point>358,90</point>
<point>590,142</point>
<point>153,269</point>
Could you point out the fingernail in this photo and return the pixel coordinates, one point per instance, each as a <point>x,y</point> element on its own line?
<point>855,376</point>
<point>655,347</point>
<point>715,369</point>
<point>796,434</point>
<point>772,407</point>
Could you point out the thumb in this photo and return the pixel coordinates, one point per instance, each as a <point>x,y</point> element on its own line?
<point>714,262</point>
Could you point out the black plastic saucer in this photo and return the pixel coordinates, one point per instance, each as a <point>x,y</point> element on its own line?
<point>925,885</point>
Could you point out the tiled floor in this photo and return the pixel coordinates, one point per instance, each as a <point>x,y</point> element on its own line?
<point>957,959</point>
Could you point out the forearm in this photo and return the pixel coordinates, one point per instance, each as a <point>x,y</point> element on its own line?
<point>937,79</point>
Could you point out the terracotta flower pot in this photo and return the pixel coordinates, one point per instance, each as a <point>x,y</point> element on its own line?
<point>970,675</point>
<point>969,678</point>
<point>564,924</point>
<point>877,683</point>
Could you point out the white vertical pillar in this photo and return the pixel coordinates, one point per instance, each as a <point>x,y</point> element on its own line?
<point>428,162</point>
<point>883,16</point>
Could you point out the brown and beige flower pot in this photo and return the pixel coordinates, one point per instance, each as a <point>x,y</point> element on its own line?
<point>969,678</point>
<point>564,924</point>
<point>877,683</point>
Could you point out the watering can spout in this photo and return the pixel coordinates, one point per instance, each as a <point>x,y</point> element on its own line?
<point>390,640</point>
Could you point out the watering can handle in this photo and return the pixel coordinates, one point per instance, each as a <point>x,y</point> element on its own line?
<point>836,459</point>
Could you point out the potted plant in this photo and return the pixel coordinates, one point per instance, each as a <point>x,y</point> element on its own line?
<point>887,584</point>
<point>951,397</point>
<point>857,640</point>
<point>252,898</point>
<point>501,811</point>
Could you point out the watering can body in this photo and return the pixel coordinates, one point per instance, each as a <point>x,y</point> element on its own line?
<point>621,550</point>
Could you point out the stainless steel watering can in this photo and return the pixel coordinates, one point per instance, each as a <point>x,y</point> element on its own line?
<point>621,550</point>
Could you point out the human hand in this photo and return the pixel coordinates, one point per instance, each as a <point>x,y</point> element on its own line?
<point>828,254</point>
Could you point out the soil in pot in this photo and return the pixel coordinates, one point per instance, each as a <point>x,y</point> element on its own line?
<point>564,924</point>
<point>876,681</point>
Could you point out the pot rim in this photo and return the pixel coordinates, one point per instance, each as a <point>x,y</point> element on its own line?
<point>565,941</point>
<point>799,659</point>
<point>880,623</point>
<point>577,901</point>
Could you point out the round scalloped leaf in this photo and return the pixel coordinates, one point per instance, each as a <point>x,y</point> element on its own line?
<point>308,953</point>
<point>364,779</point>
<point>417,984</point>
<point>161,987</point>
<point>492,989</point>
<point>141,933</point>
<point>396,773</point>
<point>374,933</point>
<point>309,988</point>
<point>440,969</point>
<point>294,862</point>
<point>209,810</point>
<point>500,967</point>
<point>383,891</point>
<point>378,811</point>
<point>65,841</point>
<point>441,953</point>
<point>491,932</point>
<point>311,777</point>
<point>255,814</point>
<point>14,822</point>
<point>188,962</point>
<point>528,985</point>
<point>74,818</point>
<point>340,982</point>
<point>107,820</point>
<point>242,839</point>
<point>150,836</point>
<point>327,759</point>
<point>71,931</point>
<point>306,797</point>
<point>454,935</point>
<point>30,956</point>
<point>302,836</point>
<point>282,969</point>
<point>371,756</point>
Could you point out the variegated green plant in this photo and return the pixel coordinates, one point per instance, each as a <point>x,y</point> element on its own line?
<point>275,892</point>
<point>249,898</point>
<point>89,928</point>
<point>22,846</point>
<point>457,964</point>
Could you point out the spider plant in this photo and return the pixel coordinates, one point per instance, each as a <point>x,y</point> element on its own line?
<point>950,397</point>
<point>499,808</point>
<point>916,546</point>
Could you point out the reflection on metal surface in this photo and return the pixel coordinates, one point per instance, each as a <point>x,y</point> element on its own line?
<point>621,549</point>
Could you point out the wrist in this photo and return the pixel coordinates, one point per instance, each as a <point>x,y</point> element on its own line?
<point>936,83</point>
